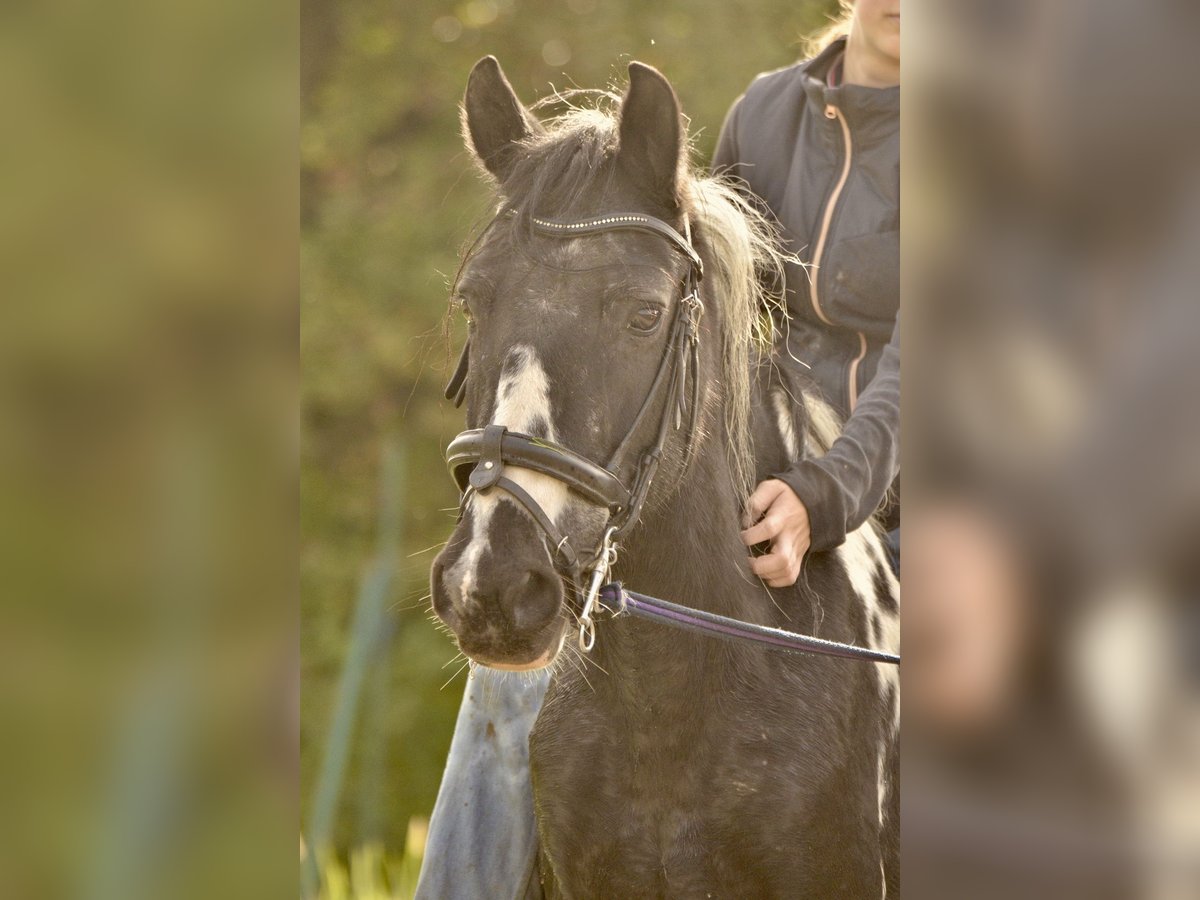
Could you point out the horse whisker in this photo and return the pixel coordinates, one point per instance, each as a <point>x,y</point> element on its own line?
<point>455,675</point>
<point>427,549</point>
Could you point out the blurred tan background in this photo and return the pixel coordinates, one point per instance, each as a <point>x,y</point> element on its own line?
<point>1051,433</point>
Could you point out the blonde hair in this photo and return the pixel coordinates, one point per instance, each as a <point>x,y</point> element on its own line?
<point>837,27</point>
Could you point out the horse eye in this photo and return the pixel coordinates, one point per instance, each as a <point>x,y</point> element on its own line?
<point>646,320</point>
<point>461,305</point>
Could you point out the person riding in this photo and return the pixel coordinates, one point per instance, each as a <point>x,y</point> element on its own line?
<point>817,144</point>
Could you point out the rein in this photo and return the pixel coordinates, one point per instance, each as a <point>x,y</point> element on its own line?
<point>477,459</point>
<point>617,600</point>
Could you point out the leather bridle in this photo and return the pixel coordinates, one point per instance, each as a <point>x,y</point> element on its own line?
<point>477,458</point>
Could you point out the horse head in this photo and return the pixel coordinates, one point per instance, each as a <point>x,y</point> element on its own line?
<point>572,343</point>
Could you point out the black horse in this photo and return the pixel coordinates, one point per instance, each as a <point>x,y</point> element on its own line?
<point>665,763</point>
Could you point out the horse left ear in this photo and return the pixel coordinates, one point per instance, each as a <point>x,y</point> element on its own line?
<point>495,123</point>
<point>651,136</point>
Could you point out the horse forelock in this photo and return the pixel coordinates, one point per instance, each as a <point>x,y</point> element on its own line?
<point>560,164</point>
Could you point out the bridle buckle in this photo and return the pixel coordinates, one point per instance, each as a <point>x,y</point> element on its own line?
<point>606,558</point>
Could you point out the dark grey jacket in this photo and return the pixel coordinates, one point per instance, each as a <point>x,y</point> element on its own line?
<point>826,161</point>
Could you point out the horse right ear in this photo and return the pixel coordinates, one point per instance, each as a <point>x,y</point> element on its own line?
<point>494,121</point>
<point>652,134</point>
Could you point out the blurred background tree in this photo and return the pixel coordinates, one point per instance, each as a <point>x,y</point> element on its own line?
<point>390,197</point>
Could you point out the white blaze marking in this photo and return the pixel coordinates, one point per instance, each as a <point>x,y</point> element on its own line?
<point>522,399</point>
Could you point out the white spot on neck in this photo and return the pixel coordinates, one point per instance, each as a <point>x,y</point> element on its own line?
<point>861,557</point>
<point>784,422</point>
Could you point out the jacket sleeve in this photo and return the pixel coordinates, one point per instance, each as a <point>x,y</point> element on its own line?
<point>844,488</point>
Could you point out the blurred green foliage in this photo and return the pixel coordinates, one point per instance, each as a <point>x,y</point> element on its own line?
<point>389,199</point>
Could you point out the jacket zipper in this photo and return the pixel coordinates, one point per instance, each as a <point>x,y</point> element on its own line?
<point>832,112</point>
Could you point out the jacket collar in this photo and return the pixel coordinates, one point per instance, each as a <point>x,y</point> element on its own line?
<point>869,111</point>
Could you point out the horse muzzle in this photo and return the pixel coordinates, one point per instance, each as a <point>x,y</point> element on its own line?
<point>499,593</point>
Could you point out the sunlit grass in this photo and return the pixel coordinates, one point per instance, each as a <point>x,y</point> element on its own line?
<point>372,872</point>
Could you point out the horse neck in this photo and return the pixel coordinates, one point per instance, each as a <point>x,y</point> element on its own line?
<point>687,550</point>
<point>687,546</point>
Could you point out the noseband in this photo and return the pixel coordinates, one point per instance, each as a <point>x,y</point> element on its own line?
<point>477,458</point>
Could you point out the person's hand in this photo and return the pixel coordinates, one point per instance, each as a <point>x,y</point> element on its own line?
<point>774,513</point>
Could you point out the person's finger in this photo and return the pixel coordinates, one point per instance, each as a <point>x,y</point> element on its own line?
<point>765,530</point>
<point>760,501</point>
<point>764,495</point>
<point>781,567</point>
<point>783,576</point>
<point>769,568</point>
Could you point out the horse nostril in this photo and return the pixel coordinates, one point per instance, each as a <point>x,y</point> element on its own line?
<point>533,600</point>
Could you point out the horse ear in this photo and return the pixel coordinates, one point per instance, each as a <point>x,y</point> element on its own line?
<point>651,148</point>
<point>494,121</point>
